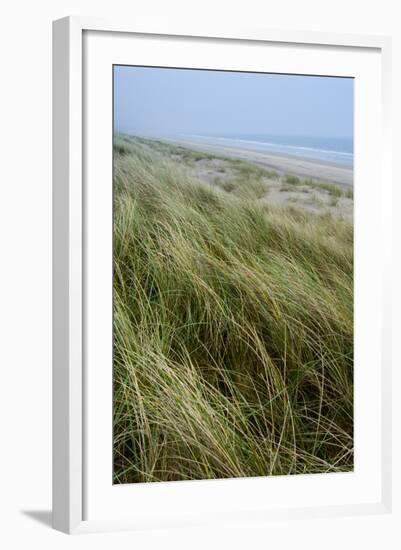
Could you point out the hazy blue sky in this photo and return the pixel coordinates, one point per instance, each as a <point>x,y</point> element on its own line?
<point>168,101</point>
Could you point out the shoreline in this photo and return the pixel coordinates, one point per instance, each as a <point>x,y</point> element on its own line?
<point>256,181</point>
<point>280,162</point>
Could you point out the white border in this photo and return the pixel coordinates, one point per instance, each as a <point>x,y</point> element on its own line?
<point>68,493</point>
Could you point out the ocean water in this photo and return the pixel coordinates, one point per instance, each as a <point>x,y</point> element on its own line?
<point>338,151</point>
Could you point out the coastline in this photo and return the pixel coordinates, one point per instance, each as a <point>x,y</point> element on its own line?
<point>241,177</point>
<point>280,162</point>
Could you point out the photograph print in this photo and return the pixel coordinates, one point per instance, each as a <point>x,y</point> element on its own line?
<point>232,274</point>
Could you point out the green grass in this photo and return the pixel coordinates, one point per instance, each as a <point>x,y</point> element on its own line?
<point>292,180</point>
<point>186,155</point>
<point>245,187</point>
<point>247,181</point>
<point>332,189</point>
<point>233,329</point>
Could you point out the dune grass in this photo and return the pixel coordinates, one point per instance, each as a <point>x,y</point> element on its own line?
<point>335,191</point>
<point>233,330</point>
<point>292,180</point>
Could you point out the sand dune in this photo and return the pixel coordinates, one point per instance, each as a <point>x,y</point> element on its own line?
<point>283,164</point>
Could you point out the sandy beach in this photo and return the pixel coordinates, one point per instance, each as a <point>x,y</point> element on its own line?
<point>318,188</point>
<point>284,164</point>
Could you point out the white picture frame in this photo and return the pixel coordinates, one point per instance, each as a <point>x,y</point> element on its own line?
<point>72,423</point>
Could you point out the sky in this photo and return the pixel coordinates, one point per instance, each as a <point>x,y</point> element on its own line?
<point>161,101</point>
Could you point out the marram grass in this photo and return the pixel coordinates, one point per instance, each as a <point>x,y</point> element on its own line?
<point>233,330</point>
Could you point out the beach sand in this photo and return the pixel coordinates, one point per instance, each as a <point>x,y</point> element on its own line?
<point>284,164</point>
<point>315,187</point>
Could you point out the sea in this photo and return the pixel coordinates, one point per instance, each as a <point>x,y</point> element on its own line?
<point>339,151</point>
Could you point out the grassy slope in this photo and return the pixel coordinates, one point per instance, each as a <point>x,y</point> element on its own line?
<point>233,347</point>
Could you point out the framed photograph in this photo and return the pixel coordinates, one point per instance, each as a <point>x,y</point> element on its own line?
<point>221,323</point>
